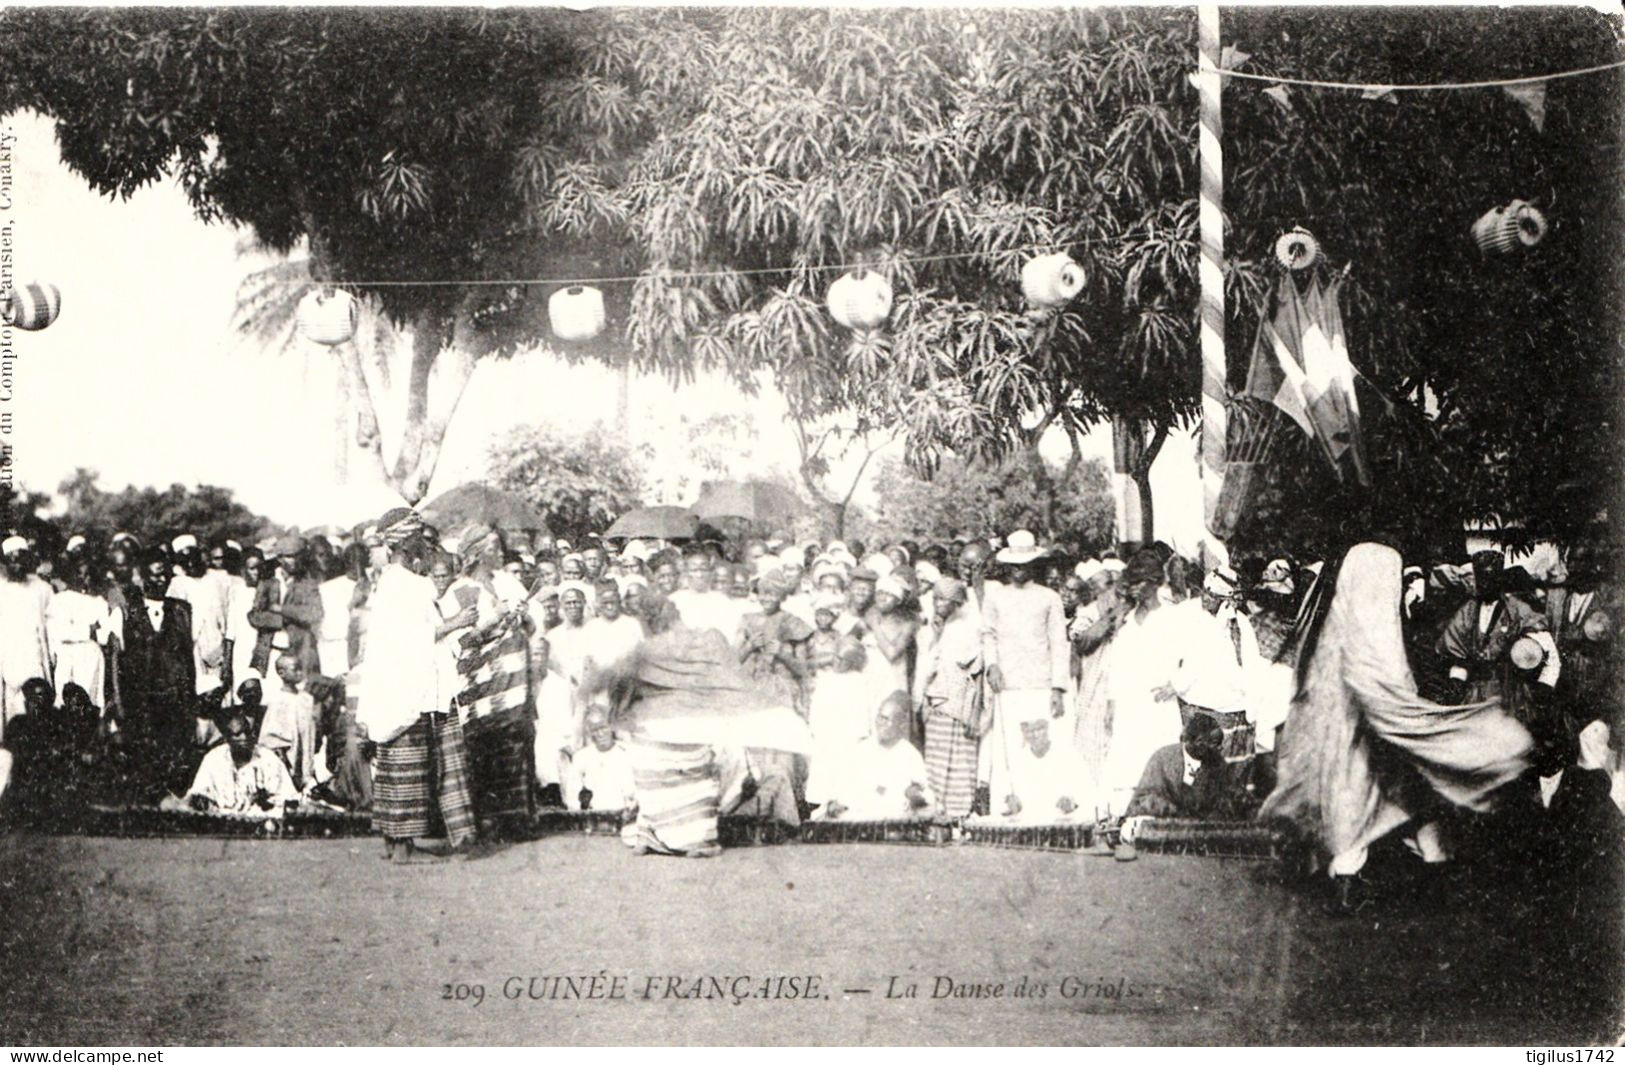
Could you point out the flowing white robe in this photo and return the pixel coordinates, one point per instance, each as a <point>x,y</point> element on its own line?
<point>24,646</point>
<point>1142,657</point>
<point>333,637</point>
<point>398,672</point>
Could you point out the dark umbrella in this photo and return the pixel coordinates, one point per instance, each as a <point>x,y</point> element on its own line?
<point>759,502</point>
<point>480,504</point>
<point>660,523</point>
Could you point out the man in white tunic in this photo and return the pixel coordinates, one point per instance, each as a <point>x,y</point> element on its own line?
<point>1028,661</point>
<point>24,647</point>
<point>1141,660</point>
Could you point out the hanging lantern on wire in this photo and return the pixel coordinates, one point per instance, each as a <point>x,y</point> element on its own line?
<point>1051,280</point>
<point>1503,229</point>
<point>1297,249</point>
<point>576,312</point>
<point>327,316</point>
<point>32,306</point>
<point>860,300</point>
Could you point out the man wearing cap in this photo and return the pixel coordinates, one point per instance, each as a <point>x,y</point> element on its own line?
<point>206,596</point>
<point>24,647</point>
<point>1028,663</point>
<point>1218,654</point>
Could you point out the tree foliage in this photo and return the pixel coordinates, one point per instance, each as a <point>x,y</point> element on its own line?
<point>972,499</point>
<point>151,515</point>
<point>581,484</point>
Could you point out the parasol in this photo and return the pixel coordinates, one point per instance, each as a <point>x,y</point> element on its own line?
<point>762,502</point>
<point>480,504</point>
<point>661,523</point>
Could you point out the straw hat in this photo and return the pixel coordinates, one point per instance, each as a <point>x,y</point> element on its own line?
<point>1021,548</point>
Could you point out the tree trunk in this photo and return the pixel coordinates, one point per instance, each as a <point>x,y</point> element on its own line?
<point>428,338</point>
<point>434,433</point>
<point>367,435</point>
<point>1142,482</point>
<point>623,398</point>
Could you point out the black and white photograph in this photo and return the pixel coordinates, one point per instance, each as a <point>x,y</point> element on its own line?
<point>785,525</point>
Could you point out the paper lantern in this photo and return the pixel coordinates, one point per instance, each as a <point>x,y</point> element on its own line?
<point>576,312</point>
<point>1526,654</point>
<point>1597,626</point>
<point>860,300</point>
<point>33,305</point>
<point>1297,249</point>
<point>328,319</point>
<point>1526,222</point>
<point>1051,280</point>
<point>1505,228</point>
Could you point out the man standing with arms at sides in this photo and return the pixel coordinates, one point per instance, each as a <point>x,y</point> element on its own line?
<point>159,683</point>
<point>24,649</point>
<point>1028,661</point>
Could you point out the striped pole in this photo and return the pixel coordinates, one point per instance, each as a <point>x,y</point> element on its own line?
<point>1211,217</point>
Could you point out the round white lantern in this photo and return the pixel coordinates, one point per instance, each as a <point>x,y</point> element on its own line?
<point>576,312</point>
<point>1297,249</point>
<point>860,300</point>
<point>33,305</point>
<point>328,319</point>
<point>1507,228</point>
<point>1526,223</point>
<point>1051,280</point>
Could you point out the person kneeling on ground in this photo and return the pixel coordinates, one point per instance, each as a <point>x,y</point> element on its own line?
<point>600,774</point>
<point>886,778</point>
<point>239,776</point>
<point>1190,778</point>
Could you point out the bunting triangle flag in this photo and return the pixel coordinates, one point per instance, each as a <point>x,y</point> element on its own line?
<point>1279,94</point>
<point>1231,57</point>
<point>1379,92</point>
<point>1531,96</point>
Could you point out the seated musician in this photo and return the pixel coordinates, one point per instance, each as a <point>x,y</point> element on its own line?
<point>884,775</point>
<point>239,776</point>
<point>1046,778</point>
<point>1191,778</point>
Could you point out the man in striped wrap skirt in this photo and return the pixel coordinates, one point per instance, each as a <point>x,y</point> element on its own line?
<point>420,763</point>
<point>948,692</point>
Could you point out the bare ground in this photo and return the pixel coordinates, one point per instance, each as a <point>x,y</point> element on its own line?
<point>194,941</point>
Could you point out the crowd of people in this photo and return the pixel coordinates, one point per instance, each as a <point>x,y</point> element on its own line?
<point>454,685</point>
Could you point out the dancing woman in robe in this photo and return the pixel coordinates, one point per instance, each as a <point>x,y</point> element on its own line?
<point>1357,707</point>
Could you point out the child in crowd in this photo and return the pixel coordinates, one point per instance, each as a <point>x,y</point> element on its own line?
<point>600,774</point>
<point>289,726</point>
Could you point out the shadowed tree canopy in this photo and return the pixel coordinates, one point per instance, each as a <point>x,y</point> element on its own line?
<point>1521,353</point>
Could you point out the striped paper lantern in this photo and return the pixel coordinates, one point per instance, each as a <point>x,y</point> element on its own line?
<point>1051,280</point>
<point>860,300</point>
<point>1504,229</point>
<point>576,312</point>
<point>328,319</point>
<point>33,305</point>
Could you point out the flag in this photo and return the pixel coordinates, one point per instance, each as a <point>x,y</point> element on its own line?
<point>1279,94</point>
<point>1329,380</point>
<point>1343,374</point>
<point>1273,373</point>
<point>1379,92</point>
<point>1531,96</point>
